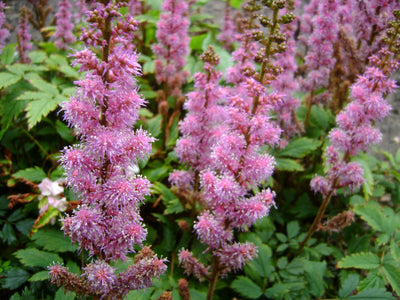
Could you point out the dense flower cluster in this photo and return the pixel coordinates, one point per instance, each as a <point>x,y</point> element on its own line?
<point>172,46</point>
<point>23,36</point>
<point>103,112</point>
<point>64,35</point>
<point>355,129</point>
<point>4,33</point>
<point>225,155</point>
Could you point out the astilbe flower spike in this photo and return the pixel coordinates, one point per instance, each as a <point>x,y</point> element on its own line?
<point>64,35</point>
<point>23,36</point>
<point>4,32</point>
<point>172,46</point>
<point>228,161</point>
<point>102,113</point>
<point>355,129</point>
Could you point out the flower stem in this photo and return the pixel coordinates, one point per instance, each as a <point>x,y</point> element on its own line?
<point>215,270</point>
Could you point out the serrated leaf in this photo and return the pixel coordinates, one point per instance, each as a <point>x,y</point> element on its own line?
<point>323,249</point>
<point>368,186</point>
<point>7,79</point>
<point>24,226</point>
<point>32,257</point>
<point>374,280</point>
<point>282,262</point>
<point>371,214</point>
<point>154,125</point>
<point>349,284</point>
<point>38,109</point>
<point>262,264</point>
<point>64,295</point>
<point>14,278</point>
<point>395,250</point>
<point>281,237</point>
<point>279,290</point>
<point>364,260</point>
<point>392,274</point>
<point>319,117</point>
<point>246,287</point>
<point>40,276</point>
<point>37,56</point>
<point>7,54</point>
<point>174,207</point>
<point>292,229</point>
<point>299,148</point>
<point>34,95</point>
<point>54,240</point>
<point>44,86</point>
<point>45,218</point>
<point>373,294</point>
<point>287,164</point>
<point>8,233</point>
<point>314,272</point>
<point>35,174</point>
<point>18,69</point>
<point>69,71</point>
<point>383,239</point>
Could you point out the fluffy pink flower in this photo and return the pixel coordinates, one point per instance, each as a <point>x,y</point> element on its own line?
<point>64,34</point>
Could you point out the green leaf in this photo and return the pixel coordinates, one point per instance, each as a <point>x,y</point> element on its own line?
<point>8,233</point>
<point>35,174</point>
<point>262,264</point>
<point>174,207</point>
<point>24,226</point>
<point>32,257</point>
<point>225,59</point>
<point>64,131</point>
<point>314,272</point>
<point>154,125</point>
<point>64,295</point>
<point>40,276</point>
<point>287,164</point>
<point>292,229</point>
<point>37,57</point>
<point>368,186</point>
<point>236,3</point>
<point>370,212</point>
<point>7,79</point>
<point>349,284</point>
<point>280,289</point>
<point>174,132</point>
<point>196,41</point>
<point>373,294</point>
<point>299,148</point>
<point>282,262</point>
<point>46,218</point>
<point>392,274</point>
<point>374,280</point>
<point>43,85</point>
<point>323,249</point>
<point>54,240</point>
<point>157,173</point>
<point>363,260</point>
<point>246,287</point>
<point>69,71</point>
<point>7,54</point>
<point>34,95</point>
<point>395,250</point>
<point>38,109</point>
<point>319,117</point>
<point>281,237</point>
<point>14,278</point>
